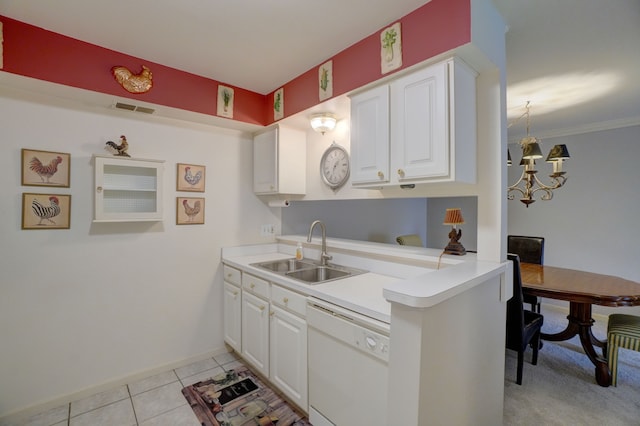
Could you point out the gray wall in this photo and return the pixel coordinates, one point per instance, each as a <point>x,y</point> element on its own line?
<point>382,220</point>
<point>592,222</point>
<point>378,220</point>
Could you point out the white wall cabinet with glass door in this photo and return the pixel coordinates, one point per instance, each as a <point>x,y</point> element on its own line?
<point>127,190</point>
<point>419,128</point>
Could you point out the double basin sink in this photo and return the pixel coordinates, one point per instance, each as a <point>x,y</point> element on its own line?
<point>308,271</point>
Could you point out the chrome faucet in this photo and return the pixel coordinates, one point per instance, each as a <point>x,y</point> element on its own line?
<point>323,256</point>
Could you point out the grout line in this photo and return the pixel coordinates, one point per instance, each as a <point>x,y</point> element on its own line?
<point>133,407</point>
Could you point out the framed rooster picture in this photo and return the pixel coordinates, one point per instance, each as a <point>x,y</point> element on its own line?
<point>191,177</point>
<point>45,168</point>
<point>189,211</point>
<point>46,211</point>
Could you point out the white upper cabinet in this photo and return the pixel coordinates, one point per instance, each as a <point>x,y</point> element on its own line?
<point>428,124</point>
<point>370,136</point>
<point>280,161</point>
<point>127,189</point>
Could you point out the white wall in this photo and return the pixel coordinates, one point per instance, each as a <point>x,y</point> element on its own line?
<point>88,305</point>
<point>592,222</point>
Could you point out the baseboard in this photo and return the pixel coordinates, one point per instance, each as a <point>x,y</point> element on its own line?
<point>24,413</point>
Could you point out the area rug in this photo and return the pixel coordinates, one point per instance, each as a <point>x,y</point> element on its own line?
<point>237,398</point>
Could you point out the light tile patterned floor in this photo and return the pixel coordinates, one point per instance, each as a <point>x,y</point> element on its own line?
<point>153,401</point>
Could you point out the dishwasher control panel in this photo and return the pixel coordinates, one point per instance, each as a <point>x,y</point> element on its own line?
<point>372,343</point>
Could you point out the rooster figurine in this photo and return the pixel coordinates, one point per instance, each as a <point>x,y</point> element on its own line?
<point>191,212</point>
<point>46,212</point>
<point>118,150</point>
<point>45,171</point>
<point>190,178</point>
<point>133,83</point>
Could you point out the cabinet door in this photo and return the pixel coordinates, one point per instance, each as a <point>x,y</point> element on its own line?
<point>255,332</point>
<point>127,190</point>
<point>370,136</point>
<point>288,355</point>
<point>232,316</point>
<point>265,162</point>
<point>419,124</point>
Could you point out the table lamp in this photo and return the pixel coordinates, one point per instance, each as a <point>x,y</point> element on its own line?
<point>454,218</point>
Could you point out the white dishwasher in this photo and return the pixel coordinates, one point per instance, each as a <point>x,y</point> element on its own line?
<point>348,366</point>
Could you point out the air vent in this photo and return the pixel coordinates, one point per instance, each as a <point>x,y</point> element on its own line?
<point>130,107</point>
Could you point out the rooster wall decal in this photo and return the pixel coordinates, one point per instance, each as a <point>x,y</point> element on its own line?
<point>190,178</point>
<point>191,212</point>
<point>45,171</point>
<point>46,212</point>
<point>133,83</point>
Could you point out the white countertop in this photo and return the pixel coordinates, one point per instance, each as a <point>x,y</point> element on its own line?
<point>397,274</point>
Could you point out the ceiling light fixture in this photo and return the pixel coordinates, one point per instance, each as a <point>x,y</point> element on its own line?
<point>323,122</point>
<point>530,153</point>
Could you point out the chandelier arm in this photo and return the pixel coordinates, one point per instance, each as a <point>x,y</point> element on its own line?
<point>558,181</point>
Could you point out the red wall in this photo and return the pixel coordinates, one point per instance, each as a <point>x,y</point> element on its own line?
<point>434,28</point>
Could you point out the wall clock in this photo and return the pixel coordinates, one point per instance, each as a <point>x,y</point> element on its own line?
<point>334,166</point>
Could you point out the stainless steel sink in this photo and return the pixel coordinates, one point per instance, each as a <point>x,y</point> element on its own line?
<point>308,271</point>
<point>319,274</point>
<point>285,265</point>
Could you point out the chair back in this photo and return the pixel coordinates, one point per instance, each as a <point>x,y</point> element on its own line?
<point>409,240</point>
<point>515,307</point>
<point>529,249</point>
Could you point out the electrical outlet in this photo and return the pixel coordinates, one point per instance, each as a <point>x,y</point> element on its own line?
<point>268,230</point>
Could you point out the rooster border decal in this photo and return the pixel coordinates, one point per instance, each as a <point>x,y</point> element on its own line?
<point>133,83</point>
<point>45,168</point>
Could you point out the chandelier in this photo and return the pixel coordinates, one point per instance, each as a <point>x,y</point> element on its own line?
<point>529,183</point>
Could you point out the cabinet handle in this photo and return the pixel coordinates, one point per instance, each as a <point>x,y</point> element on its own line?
<point>380,175</point>
<point>401,172</point>
<point>262,308</point>
<point>252,285</point>
<point>272,313</point>
<point>285,300</point>
<point>99,189</point>
<point>235,293</point>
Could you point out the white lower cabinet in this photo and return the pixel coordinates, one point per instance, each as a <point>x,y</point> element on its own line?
<point>288,347</point>
<point>232,307</point>
<point>255,332</point>
<point>232,316</point>
<point>266,324</point>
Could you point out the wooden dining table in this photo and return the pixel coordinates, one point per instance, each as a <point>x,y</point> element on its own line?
<point>582,290</point>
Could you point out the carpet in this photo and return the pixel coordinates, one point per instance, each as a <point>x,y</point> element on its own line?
<point>561,389</point>
<point>239,398</point>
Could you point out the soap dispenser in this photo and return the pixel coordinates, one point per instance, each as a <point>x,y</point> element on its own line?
<point>299,253</point>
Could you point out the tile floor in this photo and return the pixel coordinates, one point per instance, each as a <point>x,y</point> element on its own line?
<point>153,401</point>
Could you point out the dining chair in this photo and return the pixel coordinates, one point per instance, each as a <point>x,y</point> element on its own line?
<point>623,331</point>
<point>530,250</point>
<point>409,240</point>
<point>523,326</point>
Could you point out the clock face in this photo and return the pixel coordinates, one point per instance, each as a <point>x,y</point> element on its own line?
<point>334,166</point>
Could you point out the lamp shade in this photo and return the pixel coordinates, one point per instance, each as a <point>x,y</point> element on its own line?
<point>531,150</point>
<point>558,152</point>
<point>453,217</point>
<point>323,122</point>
